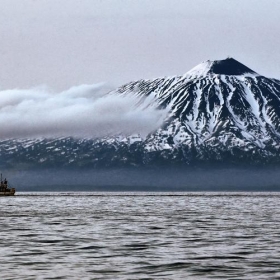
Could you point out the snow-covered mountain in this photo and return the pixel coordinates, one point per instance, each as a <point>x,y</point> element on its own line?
<point>220,112</point>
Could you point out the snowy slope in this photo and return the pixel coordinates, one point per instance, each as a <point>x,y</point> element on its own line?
<point>210,108</point>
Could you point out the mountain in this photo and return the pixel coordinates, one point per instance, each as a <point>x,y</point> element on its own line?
<point>221,112</point>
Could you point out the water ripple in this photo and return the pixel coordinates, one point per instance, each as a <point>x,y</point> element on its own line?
<point>140,236</point>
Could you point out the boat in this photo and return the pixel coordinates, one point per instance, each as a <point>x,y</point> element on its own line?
<point>5,189</point>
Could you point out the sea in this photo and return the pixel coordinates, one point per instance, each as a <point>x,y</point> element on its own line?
<point>95,235</point>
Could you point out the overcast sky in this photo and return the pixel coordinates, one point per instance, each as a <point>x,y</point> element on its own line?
<point>61,43</point>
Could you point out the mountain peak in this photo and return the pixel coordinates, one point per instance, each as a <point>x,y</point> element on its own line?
<point>228,66</point>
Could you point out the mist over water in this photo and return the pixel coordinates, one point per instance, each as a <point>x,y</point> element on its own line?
<point>147,179</point>
<point>140,235</point>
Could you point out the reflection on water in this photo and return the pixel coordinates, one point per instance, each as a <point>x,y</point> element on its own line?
<point>137,236</point>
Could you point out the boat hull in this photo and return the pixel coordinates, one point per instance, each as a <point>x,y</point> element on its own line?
<point>11,193</point>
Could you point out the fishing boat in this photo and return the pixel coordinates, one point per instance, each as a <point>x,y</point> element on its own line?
<point>5,189</point>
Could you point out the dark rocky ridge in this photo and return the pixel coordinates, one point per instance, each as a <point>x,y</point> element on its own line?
<point>230,66</point>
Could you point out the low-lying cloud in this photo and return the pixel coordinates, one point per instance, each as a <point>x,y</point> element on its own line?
<point>81,111</point>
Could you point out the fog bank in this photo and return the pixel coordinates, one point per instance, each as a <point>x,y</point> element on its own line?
<point>81,111</point>
<point>162,179</point>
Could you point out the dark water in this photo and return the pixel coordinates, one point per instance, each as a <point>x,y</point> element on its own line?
<point>142,236</point>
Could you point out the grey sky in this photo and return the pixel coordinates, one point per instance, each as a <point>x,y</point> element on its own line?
<point>62,43</point>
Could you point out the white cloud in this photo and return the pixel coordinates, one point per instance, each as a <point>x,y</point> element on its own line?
<point>81,111</point>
